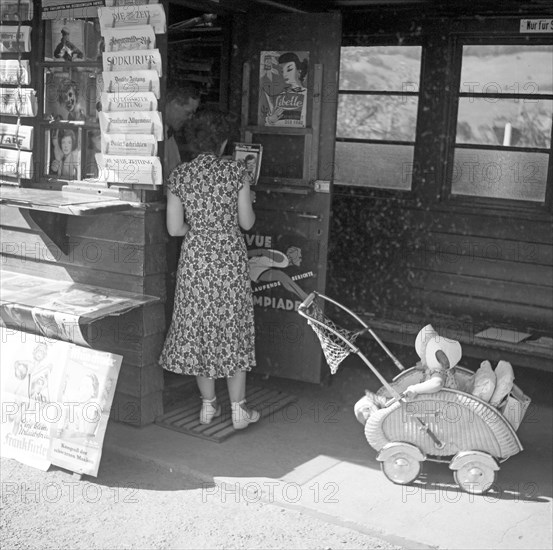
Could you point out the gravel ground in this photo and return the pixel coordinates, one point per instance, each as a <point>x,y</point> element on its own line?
<point>133,504</point>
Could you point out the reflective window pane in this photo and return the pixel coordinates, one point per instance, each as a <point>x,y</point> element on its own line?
<point>509,122</point>
<point>513,69</point>
<point>377,117</point>
<point>374,165</point>
<point>383,68</point>
<point>500,174</point>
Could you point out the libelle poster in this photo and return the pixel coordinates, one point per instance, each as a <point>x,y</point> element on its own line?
<point>282,88</point>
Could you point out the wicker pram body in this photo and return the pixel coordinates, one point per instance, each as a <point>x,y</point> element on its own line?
<point>450,426</point>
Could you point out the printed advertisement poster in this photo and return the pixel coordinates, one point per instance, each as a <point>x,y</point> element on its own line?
<point>282,88</point>
<point>283,270</point>
<point>55,401</point>
<point>85,393</point>
<point>29,384</point>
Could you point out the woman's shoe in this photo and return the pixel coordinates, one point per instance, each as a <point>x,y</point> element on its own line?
<point>209,411</point>
<point>242,416</point>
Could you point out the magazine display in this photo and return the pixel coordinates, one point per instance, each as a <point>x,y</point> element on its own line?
<point>16,164</point>
<point>63,158</point>
<point>14,39</point>
<point>18,102</point>
<point>14,11</point>
<point>16,136</point>
<point>124,16</point>
<point>250,154</point>
<point>130,123</point>
<point>15,72</point>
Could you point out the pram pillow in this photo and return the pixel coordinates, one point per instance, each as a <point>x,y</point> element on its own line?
<point>505,378</point>
<point>484,382</point>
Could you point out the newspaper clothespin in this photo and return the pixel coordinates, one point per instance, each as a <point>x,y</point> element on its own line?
<point>152,129</point>
<point>108,127</point>
<point>113,23</point>
<point>150,86</point>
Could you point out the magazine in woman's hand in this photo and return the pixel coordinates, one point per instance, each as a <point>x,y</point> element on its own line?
<point>250,154</point>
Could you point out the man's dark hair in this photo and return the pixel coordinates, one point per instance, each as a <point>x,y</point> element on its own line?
<point>182,92</point>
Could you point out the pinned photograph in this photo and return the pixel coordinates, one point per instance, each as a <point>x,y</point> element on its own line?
<point>65,40</point>
<point>65,153</point>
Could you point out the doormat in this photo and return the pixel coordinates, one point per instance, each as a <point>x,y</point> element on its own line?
<point>186,419</point>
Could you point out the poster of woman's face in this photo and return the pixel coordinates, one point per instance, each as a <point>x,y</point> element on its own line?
<point>283,88</point>
<point>70,94</point>
<point>64,154</point>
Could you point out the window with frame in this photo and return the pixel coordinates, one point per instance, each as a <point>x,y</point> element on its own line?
<point>502,144</point>
<point>377,116</point>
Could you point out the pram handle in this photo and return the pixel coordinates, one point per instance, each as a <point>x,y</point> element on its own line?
<point>311,297</point>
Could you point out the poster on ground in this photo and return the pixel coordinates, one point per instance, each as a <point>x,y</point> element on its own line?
<point>55,400</point>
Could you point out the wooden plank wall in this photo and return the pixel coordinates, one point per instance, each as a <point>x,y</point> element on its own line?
<point>123,251</point>
<point>400,260</point>
<point>493,268</point>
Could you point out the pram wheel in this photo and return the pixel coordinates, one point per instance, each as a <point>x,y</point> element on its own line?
<point>474,471</point>
<point>401,469</point>
<point>400,462</point>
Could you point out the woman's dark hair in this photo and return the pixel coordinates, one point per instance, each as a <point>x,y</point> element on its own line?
<point>302,66</point>
<point>206,131</point>
<point>71,133</point>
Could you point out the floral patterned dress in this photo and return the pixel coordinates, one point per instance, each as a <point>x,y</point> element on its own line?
<point>212,329</point>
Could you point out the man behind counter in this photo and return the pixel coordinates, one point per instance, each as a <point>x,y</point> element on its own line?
<point>182,102</point>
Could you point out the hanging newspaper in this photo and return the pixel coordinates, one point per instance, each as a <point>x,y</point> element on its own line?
<point>55,398</point>
<point>13,71</point>
<point>18,102</point>
<point>14,39</point>
<point>16,136</point>
<point>139,37</point>
<point>124,82</point>
<point>16,164</point>
<point>70,9</point>
<point>132,122</point>
<point>145,101</point>
<point>124,16</point>
<point>129,144</point>
<point>132,170</point>
<point>133,60</point>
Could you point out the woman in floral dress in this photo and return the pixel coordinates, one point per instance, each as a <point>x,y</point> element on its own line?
<point>212,330</point>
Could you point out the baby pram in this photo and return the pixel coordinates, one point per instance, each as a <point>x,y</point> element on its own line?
<point>449,426</point>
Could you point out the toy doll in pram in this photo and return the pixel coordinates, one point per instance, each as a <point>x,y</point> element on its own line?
<point>437,410</point>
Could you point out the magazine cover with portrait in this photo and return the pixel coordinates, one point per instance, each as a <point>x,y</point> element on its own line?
<point>70,94</point>
<point>64,154</point>
<point>283,88</point>
<point>250,154</point>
